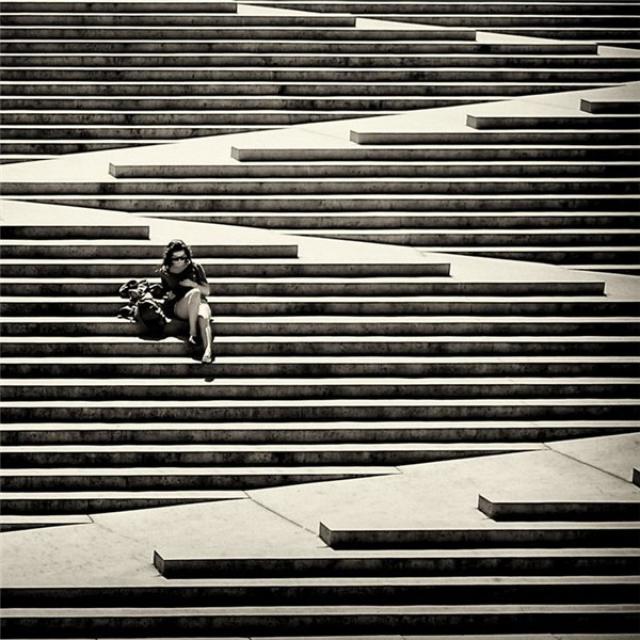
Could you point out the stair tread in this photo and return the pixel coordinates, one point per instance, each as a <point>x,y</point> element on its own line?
<point>345,610</point>
<point>399,425</point>
<point>508,382</point>
<point>340,339</point>
<point>250,359</point>
<point>255,448</point>
<point>532,402</point>
<point>341,581</point>
<point>164,471</point>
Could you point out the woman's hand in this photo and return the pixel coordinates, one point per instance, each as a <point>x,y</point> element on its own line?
<point>170,295</point>
<point>187,282</point>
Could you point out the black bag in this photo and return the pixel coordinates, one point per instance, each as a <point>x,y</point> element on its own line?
<point>143,304</point>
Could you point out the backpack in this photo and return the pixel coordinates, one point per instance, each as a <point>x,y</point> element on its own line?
<point>143,304</point>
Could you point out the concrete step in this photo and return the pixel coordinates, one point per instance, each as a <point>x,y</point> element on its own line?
<point>604,35</point>
<point>338,590</point>
<point>636,477</point>
<point>342,326</point>
<point>22,522</point>
<point>32,460</point>
<point>234,43</point>
<point>512,136</point>
<point>37,249</point>
<point>458,222</point>
<point>85,232</point>
<point>397,9</point>
<point>220,267</point>
<point>152,6</point>
<point>187,70</point>
<point>624,269</point>
<point>508,508</point>
<point>608,121</point>
<point>425,562</point>
<point>331,345</point>
<point>48,433</point>
<point>184,18</point>
<point>628,105</point>
<point>313,286</point>
<point>294,60</point>
<point>496,169</point>
<point>179,207</point>
<point>322,410</point>
<point>246,27</point>
<point>458,153</point>
<point>220,123</point>
<point>292,95</point>
<point>30,504</point>
<point>329,186</point>
<point>544,534</point>
<point>338,619</point>
<point>21,486</point>
<point>532,23</point>
<point>171,388</point>
<point>46,147</point>
<point>354,306</point>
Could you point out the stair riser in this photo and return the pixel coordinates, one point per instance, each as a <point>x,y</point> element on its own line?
<point>121,328</point>
<point>83,506</point>
<point>612,512</point>
<point>577,537</point>
<point>407,154</point>
<point>95,19</point>
<point>363,94</point>
<point>176,624</point>
<point>532,170</point>
<point>390,566</point>
<point>307,187</point>
<point>398,307</point>
<point>556,122</point>
<point>155,348</point>
<point>125,482</point>
<point>188,71</point>
<point>133,251</point>
<point>300,392</point>
<point>266,32</point>
<point>613,106</point>
<point>398,221</point>
<point>319,289</point>
<point>195,369</point>
<point>23,436</point>
<point>500,137</point>
<point>456,203</point>
<point>62,148</point>
<point>236,44</point>
<point>317,595</point>
<point>217,270</point>
<point>309,413</point>
<point>121,7</point>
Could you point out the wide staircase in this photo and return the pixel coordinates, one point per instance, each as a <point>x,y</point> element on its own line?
<point>79,76</point>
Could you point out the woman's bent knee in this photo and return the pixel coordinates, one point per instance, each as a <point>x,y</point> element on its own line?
<point>193,295</point>
<point>204,311</point>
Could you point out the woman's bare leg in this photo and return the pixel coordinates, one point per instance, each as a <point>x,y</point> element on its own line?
<point>187,309</point>
<point>204,322</point>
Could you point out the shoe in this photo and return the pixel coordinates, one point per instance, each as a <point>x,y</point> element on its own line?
<point>207,357</point>
<point>193,340</point>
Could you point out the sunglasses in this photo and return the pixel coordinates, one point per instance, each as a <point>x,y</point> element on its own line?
<point>178,258</point>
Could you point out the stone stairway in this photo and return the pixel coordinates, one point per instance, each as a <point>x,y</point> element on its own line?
<point>323,370</point>
<point>560,188</point>
<point>548,577</point>
<point>81,76</point>
<point>611,22</point>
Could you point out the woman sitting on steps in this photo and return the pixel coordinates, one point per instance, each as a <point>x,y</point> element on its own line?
<point>186,287</point>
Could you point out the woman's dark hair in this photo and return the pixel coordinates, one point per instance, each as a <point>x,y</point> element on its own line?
<point>173,247</point>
